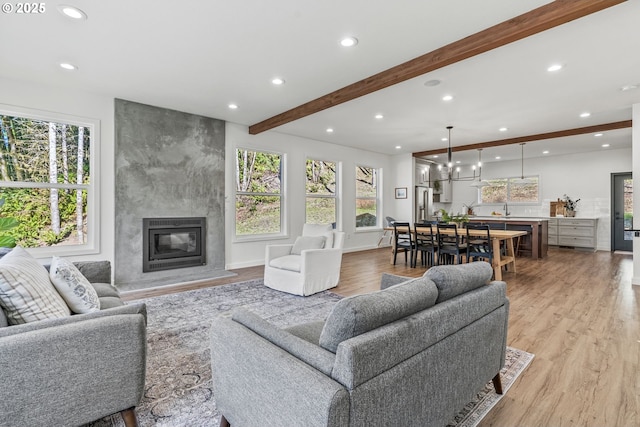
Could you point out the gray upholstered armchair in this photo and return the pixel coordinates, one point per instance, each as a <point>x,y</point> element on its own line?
<point>75,370</point>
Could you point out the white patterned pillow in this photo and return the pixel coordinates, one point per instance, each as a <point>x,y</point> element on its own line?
<point>76,290</point>
<point>26,293</point>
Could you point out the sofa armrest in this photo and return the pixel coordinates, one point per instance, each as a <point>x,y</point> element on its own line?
<point>316,356</point>
<point>316,261</point>
<point>72,372</point>
<point>256,382</point>
<point>387,280</point>
<point>276,251</point>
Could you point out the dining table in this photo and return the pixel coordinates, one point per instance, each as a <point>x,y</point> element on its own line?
<point>500,260</point>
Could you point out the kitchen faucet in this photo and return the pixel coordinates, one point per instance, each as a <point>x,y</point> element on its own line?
<point>506,210</point>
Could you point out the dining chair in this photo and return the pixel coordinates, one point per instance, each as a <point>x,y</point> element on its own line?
<point>402,241</point>
<point>423,238</point>
<point>479,247</point>
<point>450,246</point>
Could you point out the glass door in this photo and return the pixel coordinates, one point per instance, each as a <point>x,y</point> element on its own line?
<point>622,209</point>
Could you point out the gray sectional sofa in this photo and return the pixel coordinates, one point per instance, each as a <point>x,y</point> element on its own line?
<point>411,354</point>
<point>75,370</point>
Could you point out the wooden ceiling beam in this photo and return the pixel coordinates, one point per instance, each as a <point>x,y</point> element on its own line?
<point>538,137</point>
<point>535,21</point>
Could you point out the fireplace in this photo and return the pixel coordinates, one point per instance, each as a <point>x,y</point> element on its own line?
<point>170,243</point>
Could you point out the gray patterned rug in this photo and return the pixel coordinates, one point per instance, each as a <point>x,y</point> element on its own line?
<point>178,391</point>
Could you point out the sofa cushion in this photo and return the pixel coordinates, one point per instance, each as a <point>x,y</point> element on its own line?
<point>106,290</point>
<point>358,314</point>
<point>453,280</point>
<point>287,262</point>
<point>325,230</point>
<point>26,293</point>
<point>307,242</point>
<point>76,290</point>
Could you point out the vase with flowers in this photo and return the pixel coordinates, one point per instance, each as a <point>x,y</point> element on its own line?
<point>570,206</point>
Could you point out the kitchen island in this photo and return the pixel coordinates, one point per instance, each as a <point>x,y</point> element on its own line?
<point>537,230</point>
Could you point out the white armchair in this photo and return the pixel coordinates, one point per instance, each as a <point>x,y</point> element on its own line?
<point>310,265</point>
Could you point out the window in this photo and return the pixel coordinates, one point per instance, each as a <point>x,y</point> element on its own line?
<point>258,193</point>
<point>509,190</point>
<point>366,197</point>
<point>321,192</point>
<point>47,179</point>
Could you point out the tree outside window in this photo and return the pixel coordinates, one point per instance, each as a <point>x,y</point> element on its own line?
<point>509,190</point>
<point>366,197</point>
<point>321,192</point>
<point>258,193</point>
<point>45,173</point>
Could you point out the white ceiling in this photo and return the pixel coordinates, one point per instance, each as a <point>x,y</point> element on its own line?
<point>199,56</point>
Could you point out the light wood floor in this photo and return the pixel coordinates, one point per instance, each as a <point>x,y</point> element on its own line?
<point>576,311</point>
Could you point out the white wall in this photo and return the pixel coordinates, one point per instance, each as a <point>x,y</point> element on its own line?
<point>635,138</point>
<point>76,103</point>
<point>297,150</point>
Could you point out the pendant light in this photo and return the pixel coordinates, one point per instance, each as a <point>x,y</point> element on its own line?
<point>480,183</point>
<point>522,180</point>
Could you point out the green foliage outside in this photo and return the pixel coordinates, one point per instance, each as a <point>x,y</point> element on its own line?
<point>25,148</point>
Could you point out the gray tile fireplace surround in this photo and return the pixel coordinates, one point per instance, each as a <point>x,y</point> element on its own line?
<point>167,164</point>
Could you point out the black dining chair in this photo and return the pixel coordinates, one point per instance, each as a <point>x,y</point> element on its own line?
<point>402,240</point>
<point>423,238</point>
<point>479,247</point>
<point>450,246</point>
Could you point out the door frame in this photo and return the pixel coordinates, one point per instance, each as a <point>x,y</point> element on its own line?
<point>612,205</point>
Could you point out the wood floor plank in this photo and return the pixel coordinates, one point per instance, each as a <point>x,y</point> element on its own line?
<point>576,311</point>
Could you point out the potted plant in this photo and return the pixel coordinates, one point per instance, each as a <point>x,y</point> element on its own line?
<point>458,219</point>
<point>570,206</point>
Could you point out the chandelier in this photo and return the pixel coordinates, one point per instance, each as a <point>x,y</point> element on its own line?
<point>453,173</point>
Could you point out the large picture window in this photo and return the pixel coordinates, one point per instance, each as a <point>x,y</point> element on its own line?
<point>258,193</point>
<point>47,179</point>
<point>321,192</point>
<point>366,197</point>
<point>511,190</point>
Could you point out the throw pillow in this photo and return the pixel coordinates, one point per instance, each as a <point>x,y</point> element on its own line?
<point>76,290</point>
<point>325,230</point>
<point>355,315</point>
<point>26,293</point>
<point>307,242</point>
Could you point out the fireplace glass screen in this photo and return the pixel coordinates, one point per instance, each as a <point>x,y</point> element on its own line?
<point>173,243</point>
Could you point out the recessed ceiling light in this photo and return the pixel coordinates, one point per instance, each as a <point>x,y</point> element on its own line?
<point>585,114</point>
<point>277,81</point>
<point>447,98</point>
<point>503,129</point>
<point>431,83</point>
<point>545,152</point>
<point>68,66</point>
<point>349,41</point>
<point>629,87</point>
<point>233,106</point>
<point>457,162</point>
<point>71,12</point>
<point>329,130</point>
<point>605,145</point>
<point>379,116</point>
<point>598,135</point>
<point>445,139</point>
<point>498,157</point>
<point>398,147</point>
<point>435,156</point>
<point>554,67</point>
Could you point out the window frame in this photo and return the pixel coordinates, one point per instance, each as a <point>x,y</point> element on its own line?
<point>92,244</point>
<point>335,194</point>
<point>282,195</point>
<point>509,185</point>
<point>377,198</point>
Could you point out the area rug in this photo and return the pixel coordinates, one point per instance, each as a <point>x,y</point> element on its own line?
<point>178,384</point>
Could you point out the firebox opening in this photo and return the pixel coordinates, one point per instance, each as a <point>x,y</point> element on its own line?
<point>170,243</point>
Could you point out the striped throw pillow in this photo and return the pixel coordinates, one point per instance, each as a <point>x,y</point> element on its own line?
<point>26,293</point>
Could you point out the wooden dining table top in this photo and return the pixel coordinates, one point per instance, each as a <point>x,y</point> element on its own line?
<point>493,233</point>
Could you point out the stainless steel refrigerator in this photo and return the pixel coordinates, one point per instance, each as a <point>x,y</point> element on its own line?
<point>423,204</point>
